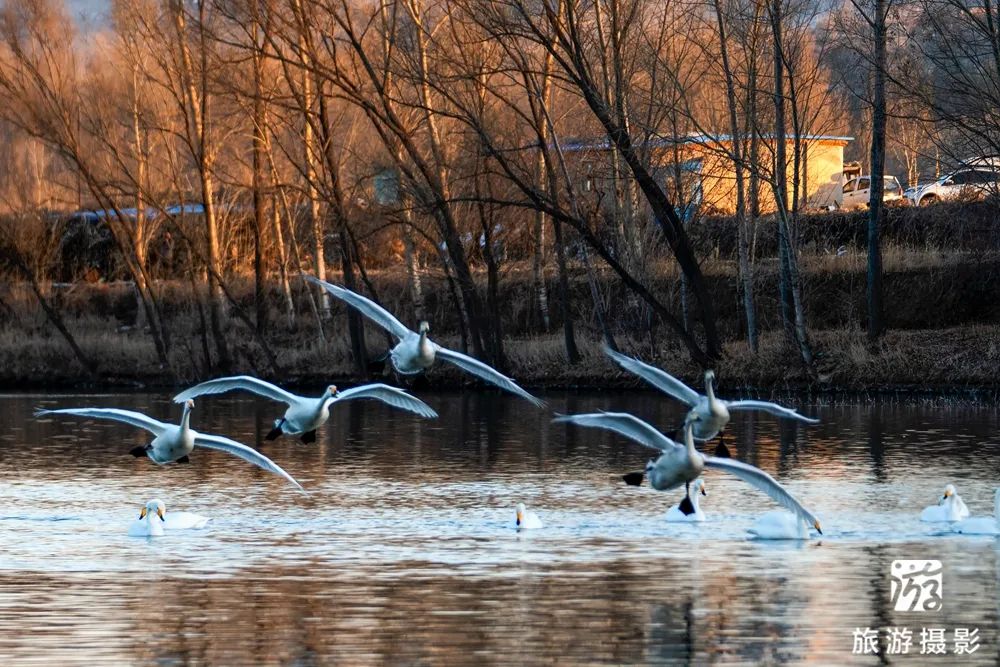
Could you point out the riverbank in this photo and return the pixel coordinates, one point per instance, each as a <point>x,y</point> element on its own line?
<point>959,362</point>
<point>943,314</point>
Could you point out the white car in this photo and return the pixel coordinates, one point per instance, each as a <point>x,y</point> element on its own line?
<point>857,192</point>
<point>967,183</point>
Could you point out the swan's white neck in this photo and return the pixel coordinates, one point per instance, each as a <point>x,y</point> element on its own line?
<point>186,418</point>
<point>709,390</point>
<point>689,441</point>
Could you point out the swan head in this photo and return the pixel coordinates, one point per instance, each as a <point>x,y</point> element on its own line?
<point>698,486</point>
<point>154,506</point>
<point>817,527</point>
<point>709,376</point>
<point>425,327</point>
<point>189,404</point>
<point>331,390</point>
<point>949,491</point>
<point>520,513</point>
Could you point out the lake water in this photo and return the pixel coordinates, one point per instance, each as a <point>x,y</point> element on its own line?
<point>404,551</point>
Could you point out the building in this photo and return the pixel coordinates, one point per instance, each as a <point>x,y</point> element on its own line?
<point>707,171</point>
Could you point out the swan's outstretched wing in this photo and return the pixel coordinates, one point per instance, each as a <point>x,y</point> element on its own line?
<point>662,380</point>
<point>764,482</point>
<point>397,398</point>
<point>366,306</point>
<point>114,414</point>
<point>621,422</point>
<point>485,372</point>
<point>771,408</point>
<point>246,453</point>
<point>244,382</point>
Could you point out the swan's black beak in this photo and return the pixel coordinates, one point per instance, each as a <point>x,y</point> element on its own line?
<point>703,491</point>
<point>818,529</point>
<point>633,478</point>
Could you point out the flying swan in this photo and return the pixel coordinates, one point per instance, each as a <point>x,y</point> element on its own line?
<point>682,464</point>
<point>304,415</point>
<point>174,443</point>
<point>714,411</point>
<point>415,352</point>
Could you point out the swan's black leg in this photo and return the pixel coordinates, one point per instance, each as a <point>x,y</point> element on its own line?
<point>633,478</point>
<point>309,437</point>
<point>275,432</point>
<point>721,451</point>
<point>686,506</point>
<point>184,459</point>
<point>139,452</point>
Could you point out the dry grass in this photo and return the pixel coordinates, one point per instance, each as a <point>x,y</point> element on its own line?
<point>944,307</point>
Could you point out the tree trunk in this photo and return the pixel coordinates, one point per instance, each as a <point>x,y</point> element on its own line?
<point>875,205</point>
<point>354,323</point>
<point>780,175</point>
<point>259,212</point>
<point>745,275</point>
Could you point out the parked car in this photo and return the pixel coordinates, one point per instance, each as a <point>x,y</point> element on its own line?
<point>965,183</point>
<point>857,192</point>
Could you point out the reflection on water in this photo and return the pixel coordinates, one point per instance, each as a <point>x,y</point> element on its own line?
<point>404,551</point>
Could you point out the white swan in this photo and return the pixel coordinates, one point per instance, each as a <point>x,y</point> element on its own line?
<point>154,519</point>
<point>714,412</point>
<point>150,521</point>
<point>689,510</point>
<point>174,443</point>
<point>950,507</point>
<point>526,519</point>
<point>779,525</point>
<point>184,521</point>
<point>981,525</point>
<point>415,352</point>
<point>304,415</point>
<point>682,464</point>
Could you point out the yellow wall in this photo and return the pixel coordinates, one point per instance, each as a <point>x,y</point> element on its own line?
<point>822,169</point>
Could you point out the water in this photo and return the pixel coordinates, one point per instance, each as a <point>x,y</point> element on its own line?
<point>404,551</point>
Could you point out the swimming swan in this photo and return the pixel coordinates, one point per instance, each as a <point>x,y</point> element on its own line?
<point>981,525</point>
<point>304,415</point>
<point>682,464</point>
<point>154,519</point>
<point>150,521</point>
<point>526,519</point>
<point>950,507</point>
<point>779,525</point>
<point>688,510</point>
<point>415,352</point>
<point>714,411</point>
<point>174,443</point>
